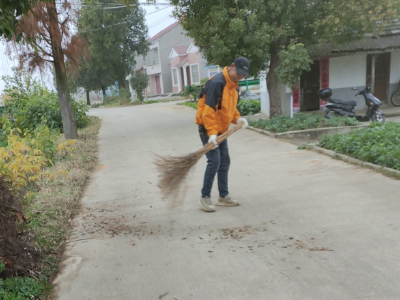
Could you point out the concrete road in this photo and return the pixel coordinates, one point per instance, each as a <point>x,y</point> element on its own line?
<point>309,227</point>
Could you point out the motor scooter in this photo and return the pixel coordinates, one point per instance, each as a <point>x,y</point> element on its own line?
<point>342,108</point>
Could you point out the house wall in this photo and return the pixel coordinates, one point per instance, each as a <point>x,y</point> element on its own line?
<point>174,37</point>
<point>203,70</point>
<point>152,85</point>
<point>394,72</point>
<point>156,68</point>
<point>346,72</point>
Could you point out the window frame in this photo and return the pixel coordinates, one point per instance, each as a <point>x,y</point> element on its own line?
<point>198,73</point>
<point>173,77</point>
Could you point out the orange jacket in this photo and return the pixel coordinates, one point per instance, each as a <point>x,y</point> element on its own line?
<point>216,108</point>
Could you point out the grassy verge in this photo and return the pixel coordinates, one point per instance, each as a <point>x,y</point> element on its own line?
<point>48,211</point>
<point>301,121</point>
<point>377,144</point>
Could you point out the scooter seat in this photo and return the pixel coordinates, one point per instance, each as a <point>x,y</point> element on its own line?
<point>347,103</point>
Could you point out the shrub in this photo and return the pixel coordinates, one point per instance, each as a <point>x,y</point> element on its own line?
<point>139,81</point>
<point>301,121</point>
<point>249,107</point>
<point>21,288</point>
<point>378,144</point>
<point>27,103</point>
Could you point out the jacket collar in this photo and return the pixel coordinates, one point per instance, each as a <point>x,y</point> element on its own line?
<point>229,82</point>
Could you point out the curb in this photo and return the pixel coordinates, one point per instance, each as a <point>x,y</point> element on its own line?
<point>309,134</point>
<point>355,161</point>
<point>262,131</point>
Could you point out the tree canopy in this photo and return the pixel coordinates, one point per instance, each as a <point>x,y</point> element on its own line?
<point>115,38</point>
<point>45,31</point>
<point>261,30</point>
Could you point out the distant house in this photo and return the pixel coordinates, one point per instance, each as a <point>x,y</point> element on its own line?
<point>187,66</point>
<point>172,62</point>
<point>374,60</point>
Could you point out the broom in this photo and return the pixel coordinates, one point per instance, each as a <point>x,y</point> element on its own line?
<point>174,170</point>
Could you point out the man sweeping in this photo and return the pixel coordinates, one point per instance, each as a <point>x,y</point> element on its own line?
<point>216,110</point>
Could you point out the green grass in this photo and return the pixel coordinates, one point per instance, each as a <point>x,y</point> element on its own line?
<point>378,144</point>
<point>301,121</point>
<point>21,288</point>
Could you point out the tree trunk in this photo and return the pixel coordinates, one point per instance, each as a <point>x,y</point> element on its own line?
<point>273,85</point>
<point>64,100</point>
<point>87,98</point>
<point>103,88</point>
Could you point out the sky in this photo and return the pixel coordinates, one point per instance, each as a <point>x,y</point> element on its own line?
<point>158,17</point>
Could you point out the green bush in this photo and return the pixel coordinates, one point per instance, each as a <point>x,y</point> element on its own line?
<point>249,107</point>
<point>378,144</point>
<point>21,288</point>
<point>301,121</point>
<point>27,103</point>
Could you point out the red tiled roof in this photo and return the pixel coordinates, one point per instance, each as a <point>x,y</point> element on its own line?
<point>180,49</point>
<point>162,32</point>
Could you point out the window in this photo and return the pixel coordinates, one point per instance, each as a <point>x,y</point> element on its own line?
<point>152,57</point>
<point>195,74</point>
<point>175,76</point>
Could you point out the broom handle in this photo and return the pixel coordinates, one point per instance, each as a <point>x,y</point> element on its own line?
<point>209,146</point>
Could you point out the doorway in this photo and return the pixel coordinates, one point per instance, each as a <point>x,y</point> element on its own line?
<point>378,75</point>
<point>309,86</point>
<point>158,85</point>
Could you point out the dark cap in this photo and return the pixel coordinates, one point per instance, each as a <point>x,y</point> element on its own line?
<point>242,65</point>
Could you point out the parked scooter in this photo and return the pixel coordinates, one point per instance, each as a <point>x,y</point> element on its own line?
<point>346,108</point>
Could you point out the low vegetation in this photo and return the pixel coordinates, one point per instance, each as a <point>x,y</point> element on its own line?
<point>42,178</point>
<point>377,144</point>
<point>301,121</point>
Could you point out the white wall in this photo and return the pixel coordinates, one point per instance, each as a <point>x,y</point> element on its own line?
<point>347,71</point>
<point>395,67</point>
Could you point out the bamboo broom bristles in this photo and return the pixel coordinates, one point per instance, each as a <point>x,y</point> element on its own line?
<point>174,170</point>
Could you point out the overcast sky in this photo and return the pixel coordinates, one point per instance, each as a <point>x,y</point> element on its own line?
<point>158,17</point>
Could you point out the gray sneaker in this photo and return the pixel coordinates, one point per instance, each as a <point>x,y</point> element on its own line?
<point>206,204</point>
<point>227,201</point>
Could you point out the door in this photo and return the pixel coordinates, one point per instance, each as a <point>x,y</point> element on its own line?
<point>158,85</point>
<point>378,75</point>
<point>310,84</point>
<point>188,75</point>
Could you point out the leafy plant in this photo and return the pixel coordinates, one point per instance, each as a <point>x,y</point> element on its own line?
<point>139,81</point>
<point>191,92</point>
<point>27,103</point>
<point>249,107</point>
<point>378,144</point>
<point>301,121</point>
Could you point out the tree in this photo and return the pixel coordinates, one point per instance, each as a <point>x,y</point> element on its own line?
<point>45,31</point>
<point>10,12</point>
<point>139,81</point>
<point>115,37</point>
<point>275,32</point>
<point>82,77</point>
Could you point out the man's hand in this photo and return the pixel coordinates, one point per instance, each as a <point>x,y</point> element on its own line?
<point>213,139</point>
<point>244,121</point>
